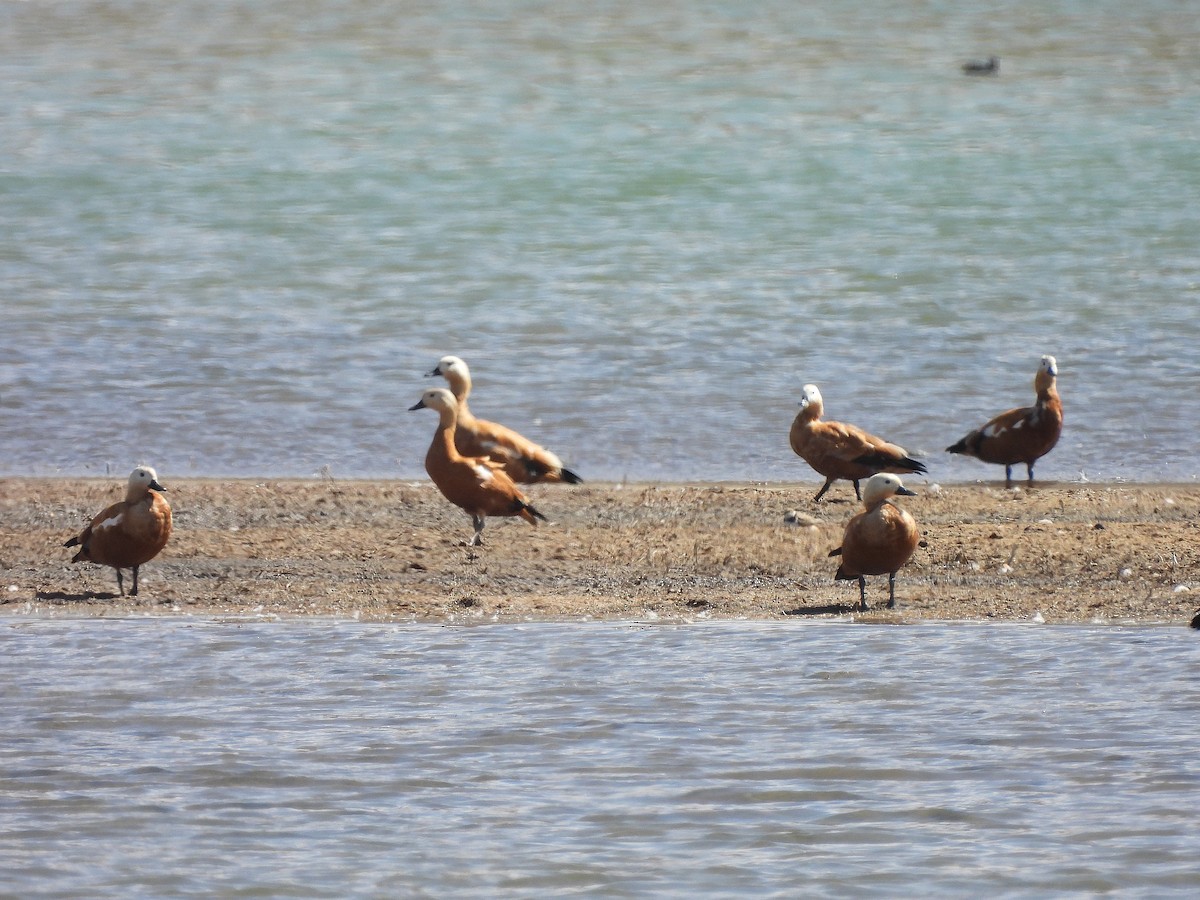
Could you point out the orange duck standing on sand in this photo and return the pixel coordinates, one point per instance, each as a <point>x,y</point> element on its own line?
<point>1021,435</point>
<point>129,533</point>
<point>477,484</point>
<point>880,539</point>
<point>840,451</point>
<point>523,460</point>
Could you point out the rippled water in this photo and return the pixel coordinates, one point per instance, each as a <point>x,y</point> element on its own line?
<point>334,759</point>
<point>237,233</point>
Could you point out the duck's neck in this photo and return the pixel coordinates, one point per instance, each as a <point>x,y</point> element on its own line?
<point>443,439</point>
<point>460,386</point>
<point>1047,389</point>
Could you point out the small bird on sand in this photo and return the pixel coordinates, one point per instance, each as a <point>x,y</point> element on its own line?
<point>524,461</point>
<point>129,533</point>
<point>879,540</point>
<point>1021,435</point>
<point>840,451</point>
<point>477,484</point>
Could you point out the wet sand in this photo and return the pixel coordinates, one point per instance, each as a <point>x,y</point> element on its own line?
<point>397,551</point>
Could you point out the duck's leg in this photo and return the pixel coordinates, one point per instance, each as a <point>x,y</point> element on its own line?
<point>1008,475</point>
<point>478,521</point>
<point>821,492</point>
<point>133,593</point>
<point>1029,469</point>
<point>120,582</point>
<point>862,593</point>
<point>857,492</point>
<point>891,590</point>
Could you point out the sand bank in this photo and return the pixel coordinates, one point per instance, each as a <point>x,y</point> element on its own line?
<point>396,551</point>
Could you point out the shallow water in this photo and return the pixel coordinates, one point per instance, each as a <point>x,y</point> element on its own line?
<point>333,759</point>
<point>238,233</point>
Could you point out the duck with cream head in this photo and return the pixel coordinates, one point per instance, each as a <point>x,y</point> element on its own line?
<point>476,484</point>
<point>129,533</point>
<point>840,451</point>
<point>880,539</point>
<point>523,460</point>
<point>1022,435</point>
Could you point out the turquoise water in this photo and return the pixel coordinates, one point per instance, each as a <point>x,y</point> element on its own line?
<point>236,234</point>
<point>179,758</point>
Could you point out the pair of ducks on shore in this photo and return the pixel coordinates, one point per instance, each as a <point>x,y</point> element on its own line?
<point>848,453</point>
<point>477,465</point>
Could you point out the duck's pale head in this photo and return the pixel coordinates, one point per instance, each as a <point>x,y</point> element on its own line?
<point>810,396</point>
<point>143,479</point>
<point>882,486</point>
<point>448,366</point>
<point>438,399</point>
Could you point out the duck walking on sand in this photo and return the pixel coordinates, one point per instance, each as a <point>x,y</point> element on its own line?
<point>523,460</point>
<point>477,484</point>
<point>129,533</point>
<point>1022,435</point>
<point>840,451</point>
<point>879,540</point>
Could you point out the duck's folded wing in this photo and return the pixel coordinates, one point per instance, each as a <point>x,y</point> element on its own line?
<point>850,443</point>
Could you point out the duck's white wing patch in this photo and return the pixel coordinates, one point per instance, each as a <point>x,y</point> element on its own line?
<point>112,522</point>
<point>485,474</point>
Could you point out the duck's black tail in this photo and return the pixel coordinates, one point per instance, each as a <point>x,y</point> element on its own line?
<point>527,512</point>
<point>884,463</point>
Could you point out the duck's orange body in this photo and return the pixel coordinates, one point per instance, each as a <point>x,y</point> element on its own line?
<point>879,540</point>
<point>1022,435</point>
<point>840,451</point>
<point>524,461</point>
<point>129,533</point>
<point>476,484</point>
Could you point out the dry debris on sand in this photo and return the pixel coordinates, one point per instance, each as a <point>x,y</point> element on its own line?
<point>390,550</point>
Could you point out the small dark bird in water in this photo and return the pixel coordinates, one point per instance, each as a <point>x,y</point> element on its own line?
<point>1196,620</point>
<point>989,66</point>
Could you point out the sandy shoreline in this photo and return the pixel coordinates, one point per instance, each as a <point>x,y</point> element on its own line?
<point>395,551</point>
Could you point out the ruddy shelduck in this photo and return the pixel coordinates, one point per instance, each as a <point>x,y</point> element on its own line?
<point>1022,435</point>
<point>129,533</point>
<point>879,540</point>
<point>477,484</point>
<point>524,461</point>
<point>840,451</point>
